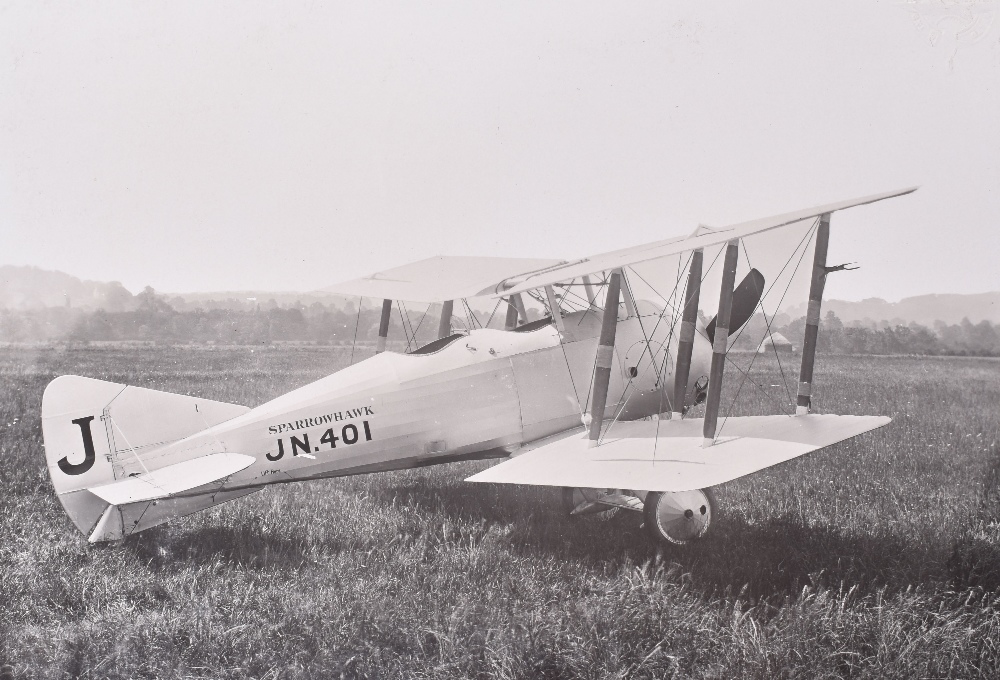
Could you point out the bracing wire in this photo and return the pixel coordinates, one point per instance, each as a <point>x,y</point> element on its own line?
<point>472,313</point>
<point>673,308</point>
<point>704,274</point>
<point>469,316</point>
<point>806,239</point>
<point>409,323</point>
<point>356,325</point>
<point>402,322</point>
<point>593,305</point>
<point>701,332</point>
<point>495,308</point>
<point>675,315</point>
<point>540,299</point>
<point>746,374</point>
<point>135,454</point>
<point>666,354</point>
<point>784,379</point>
<point>626,393</point>
<point>567,292</point>
<point>420,323</point>
<point>642,329</point>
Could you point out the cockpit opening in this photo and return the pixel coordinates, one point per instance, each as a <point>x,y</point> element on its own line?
<point>534,325</point>
<point>437,345</point>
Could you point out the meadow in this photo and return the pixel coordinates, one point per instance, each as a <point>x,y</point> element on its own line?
<point>878,557</point>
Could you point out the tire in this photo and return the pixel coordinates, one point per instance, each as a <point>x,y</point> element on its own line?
<point>679,518</point>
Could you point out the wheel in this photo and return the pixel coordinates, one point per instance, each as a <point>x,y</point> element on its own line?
<point>572,497</point>
<point>679,517</point>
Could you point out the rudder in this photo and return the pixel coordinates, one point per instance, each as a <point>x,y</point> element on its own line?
<point>96,432</point>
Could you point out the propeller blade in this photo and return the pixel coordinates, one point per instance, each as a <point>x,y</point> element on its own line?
<point>745,299</point>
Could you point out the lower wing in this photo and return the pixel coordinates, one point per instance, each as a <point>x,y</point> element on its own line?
<point>667,455</point>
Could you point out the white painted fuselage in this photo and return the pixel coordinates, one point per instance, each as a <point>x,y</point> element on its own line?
<point>483,395</point>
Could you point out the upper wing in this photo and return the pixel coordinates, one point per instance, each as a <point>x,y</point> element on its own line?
<point>673,246</point>
<point>667,455</point>
<point>441,278</point>
<point>452,278</point>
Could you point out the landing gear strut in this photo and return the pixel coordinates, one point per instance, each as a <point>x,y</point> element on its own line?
<point>585,502</point>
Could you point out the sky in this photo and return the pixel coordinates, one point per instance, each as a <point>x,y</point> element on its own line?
<point>205,146</point>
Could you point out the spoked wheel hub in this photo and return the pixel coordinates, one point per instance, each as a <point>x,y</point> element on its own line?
<point>679,517</point>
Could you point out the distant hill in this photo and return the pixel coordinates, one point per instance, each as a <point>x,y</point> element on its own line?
<point>27,288</point>
<point>922,309</point>
<point>244,299</point>
<point>34,288</point>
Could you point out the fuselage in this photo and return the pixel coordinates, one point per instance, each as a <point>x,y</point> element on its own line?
<point>483,394</point>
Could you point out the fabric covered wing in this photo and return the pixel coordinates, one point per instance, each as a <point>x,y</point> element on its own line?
<point>441,278</point>
<point>700,239</point>
<point>667,455</point>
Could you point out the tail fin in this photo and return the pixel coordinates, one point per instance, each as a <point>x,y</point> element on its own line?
<point>96,432</point>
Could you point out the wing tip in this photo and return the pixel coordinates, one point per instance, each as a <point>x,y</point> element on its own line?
<point>904,192</point>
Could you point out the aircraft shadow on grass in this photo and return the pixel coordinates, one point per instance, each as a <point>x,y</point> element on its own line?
<point>776,557</point>
<point>168,549</point>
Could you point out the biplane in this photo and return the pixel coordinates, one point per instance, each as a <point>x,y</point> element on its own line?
<point>594,400</point>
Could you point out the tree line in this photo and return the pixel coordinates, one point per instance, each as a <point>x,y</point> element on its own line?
<point>155,319</point>
<point>962,339</point>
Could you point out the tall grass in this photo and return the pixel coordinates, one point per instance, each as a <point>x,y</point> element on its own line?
<point>879,557</point>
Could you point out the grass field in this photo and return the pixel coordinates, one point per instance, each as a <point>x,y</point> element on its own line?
<point>879,557</point>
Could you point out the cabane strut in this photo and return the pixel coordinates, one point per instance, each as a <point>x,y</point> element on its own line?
<point>383,326</point>
<point>605,356</point>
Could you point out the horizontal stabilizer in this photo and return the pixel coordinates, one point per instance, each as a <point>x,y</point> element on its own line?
<point>119,521</point>
<point>173,479</point>
<point>667,455</point>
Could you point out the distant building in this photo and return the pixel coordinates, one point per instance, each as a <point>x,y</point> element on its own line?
<point>776,342</point>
